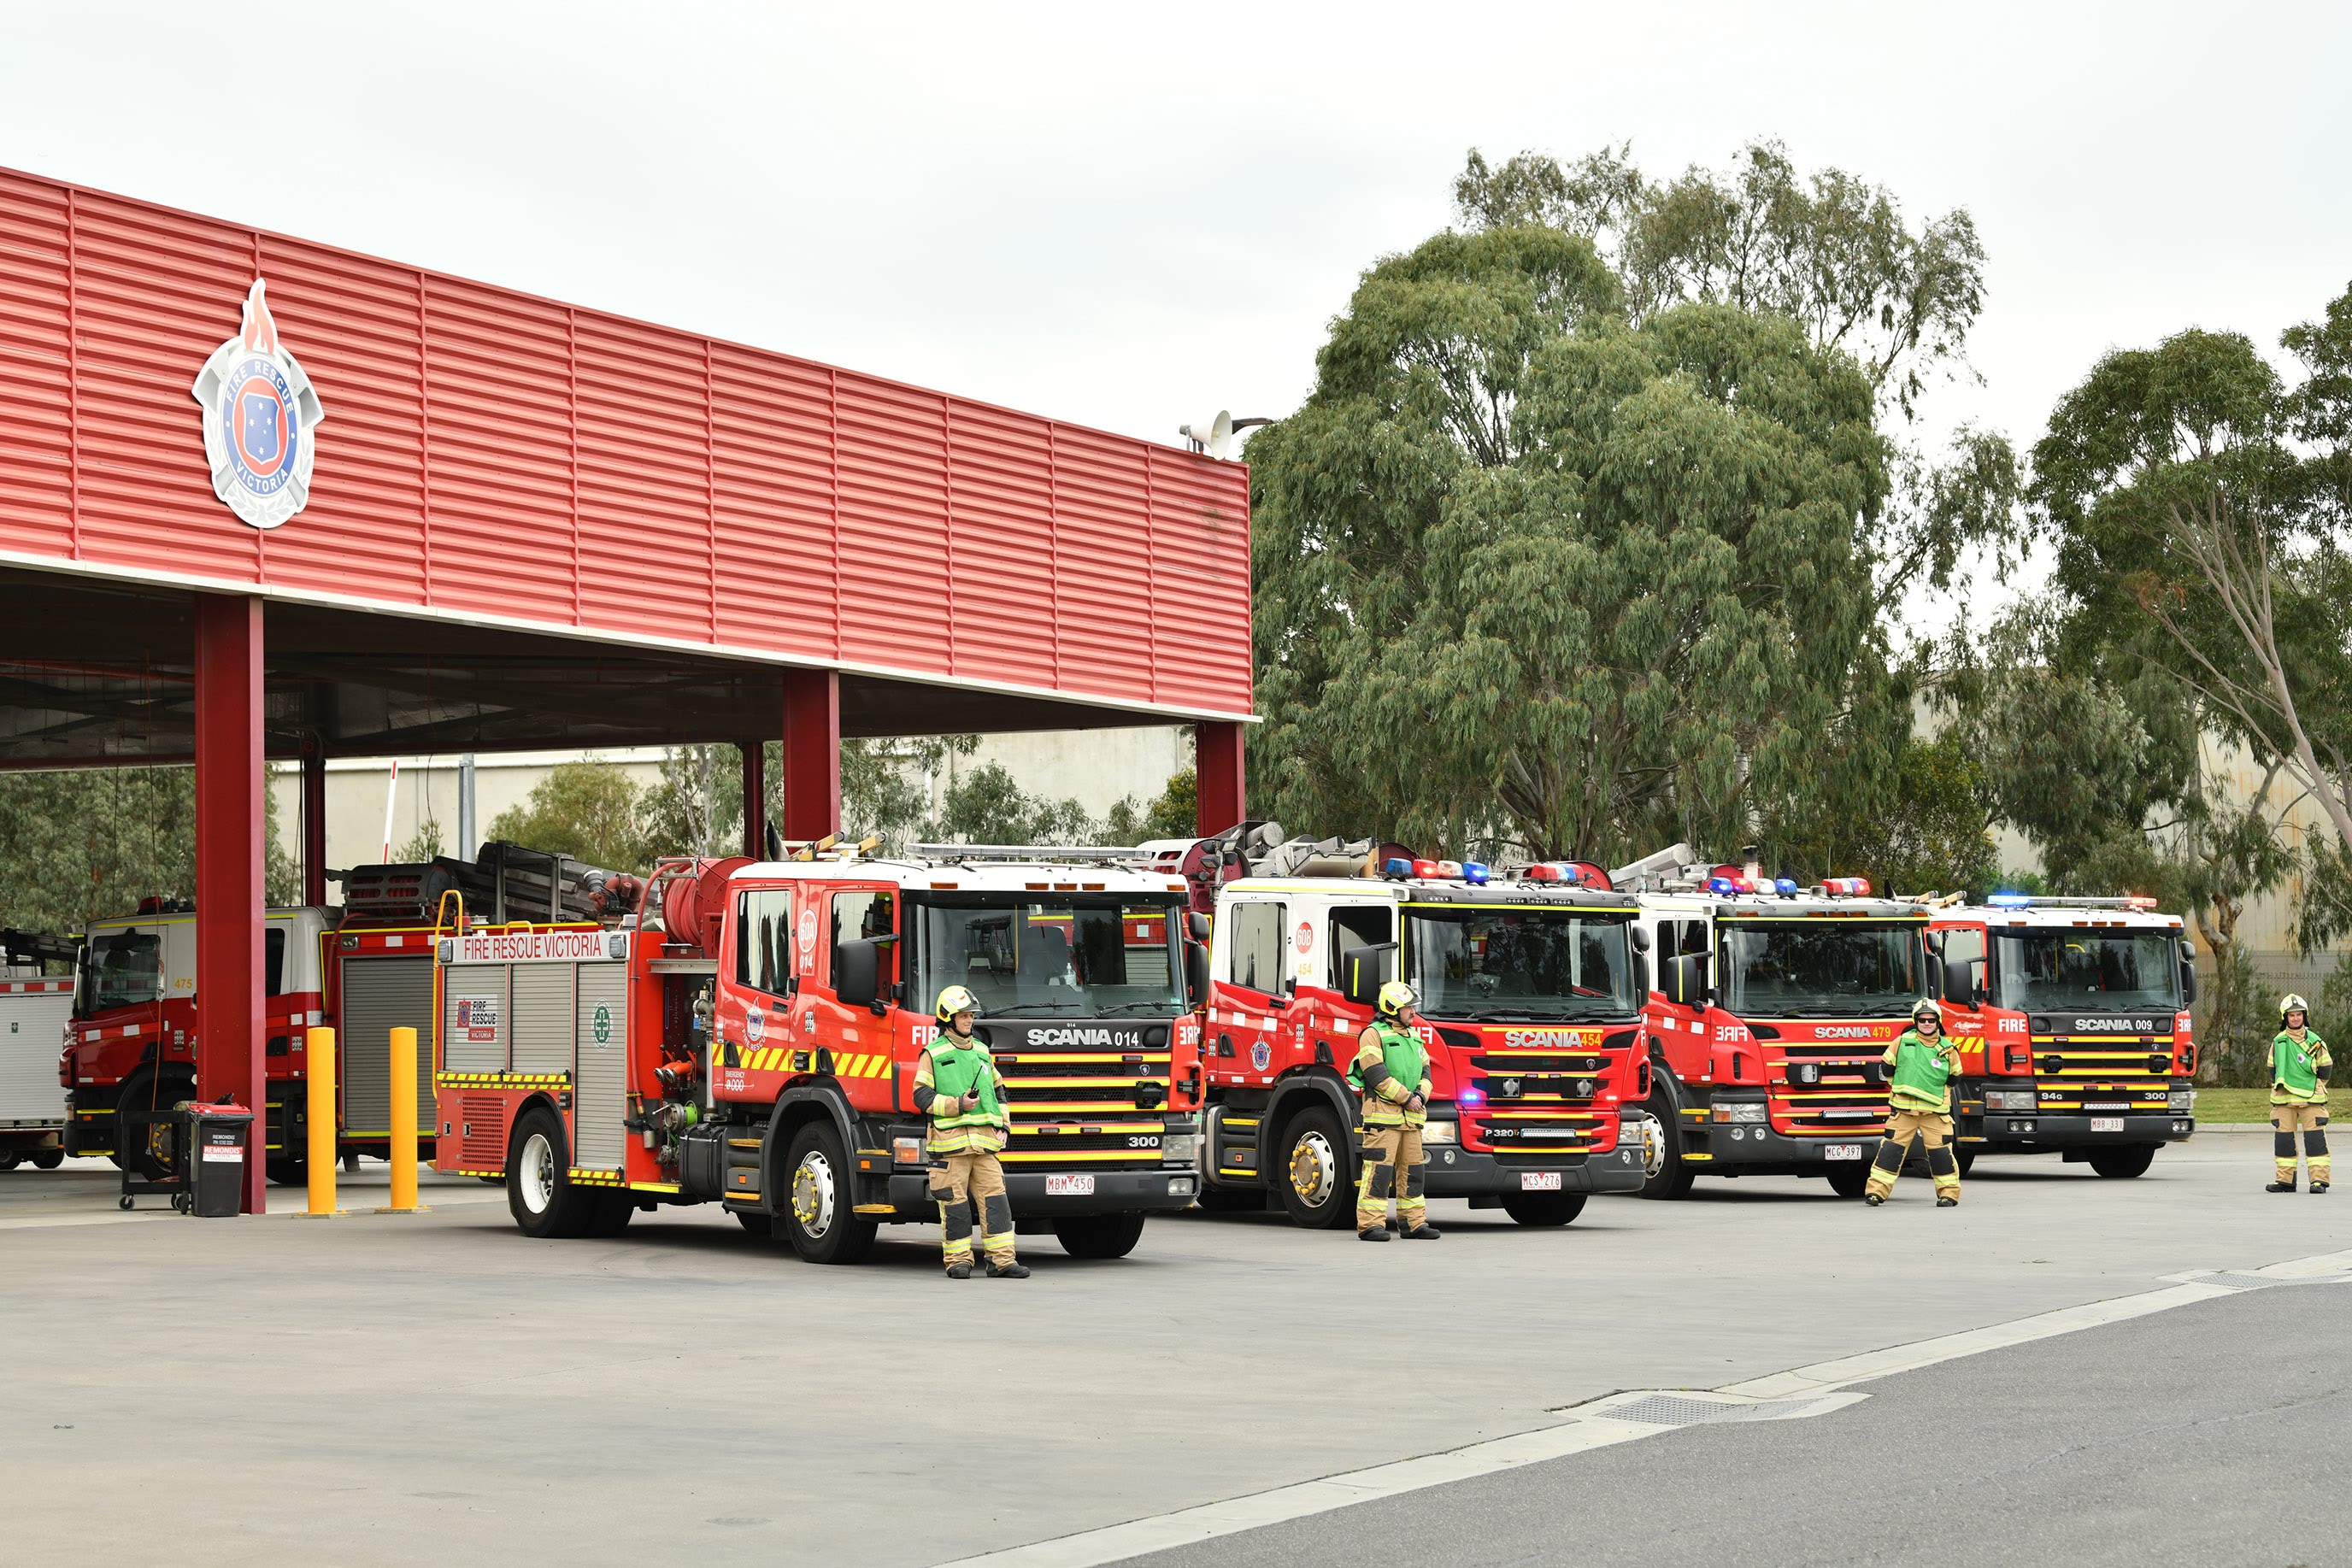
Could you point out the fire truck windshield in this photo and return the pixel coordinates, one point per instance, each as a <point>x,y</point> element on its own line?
<point>1499,965</point>
<point>2057,971</point>
<point>120,970</point>
<point>1057,954</point>
<point>1799,969</point>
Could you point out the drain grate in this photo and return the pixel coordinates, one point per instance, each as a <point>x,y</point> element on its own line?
<point>1664,1407</point>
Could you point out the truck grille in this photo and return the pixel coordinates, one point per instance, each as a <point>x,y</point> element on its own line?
<point>1537,1102</point>
<point>1076,1110</point>
<point>1850,1096</point>
<point>2102,1072</point>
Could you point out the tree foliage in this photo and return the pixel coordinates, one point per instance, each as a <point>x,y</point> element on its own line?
<point>587,810</point>
<point>1175,814</point>
<point>1528,573</point>
<point>986,805</point>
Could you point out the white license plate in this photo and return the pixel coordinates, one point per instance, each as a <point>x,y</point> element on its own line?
<point>1840,1151</point>
<point>2107,1124</point>
<point>1070,1185</point>
<point>1538,1181</point>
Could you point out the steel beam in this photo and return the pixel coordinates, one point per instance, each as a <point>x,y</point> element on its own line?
<point>229,826</point>
<point>812,766</point>
<point>314,822</point>
<point>755,797</point>
<point>1217,760</point>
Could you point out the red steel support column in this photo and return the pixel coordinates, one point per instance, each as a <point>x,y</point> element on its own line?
<point>229,827</point>
<point>1217,754</point>
<point>314,822</point>
<point>755,798</point>
<point>811,769</point>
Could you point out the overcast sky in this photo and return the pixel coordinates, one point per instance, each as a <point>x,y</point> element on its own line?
<point>1129,215</point>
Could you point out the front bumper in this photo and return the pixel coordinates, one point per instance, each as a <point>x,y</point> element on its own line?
<point>1455,1172</point>
<point>1761,1151</point>
<point>1999,1131</point>
<point>1162,1190</point>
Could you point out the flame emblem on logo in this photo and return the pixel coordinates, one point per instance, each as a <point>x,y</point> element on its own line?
<point>260,413</point>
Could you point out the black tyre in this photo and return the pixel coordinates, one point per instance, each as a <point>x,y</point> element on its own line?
<point>2122,1164</point>
<point>1233,1200</point>
<point>1964,1158</point>
<point>1848,1177</point>
<point>1099,1235</point>
<point>758,1225</point>
<point>1543,1208</point>
<point>817,1214</point>
<point>48,1159</point>
<point>9,1162</point>
<point>540,1193</point>
<point>144,1148</point>
<point>1317,1175</point>
<point>284,1170</point>
<point>613,1213</point>
<point>1666,1177</point>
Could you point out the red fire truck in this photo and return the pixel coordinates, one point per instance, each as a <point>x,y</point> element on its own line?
<point>1774,1006</point>
<point>366,968</point>
<point>34,1008</point>
<point>1530,992</point>
<point>751,1040</point>
<point>2072,1016</point>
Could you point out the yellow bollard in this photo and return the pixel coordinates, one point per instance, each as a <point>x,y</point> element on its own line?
<point>403,1124</point>
<point>318,1067</point>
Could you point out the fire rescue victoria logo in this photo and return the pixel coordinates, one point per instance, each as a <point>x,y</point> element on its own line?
<point>260,413</point>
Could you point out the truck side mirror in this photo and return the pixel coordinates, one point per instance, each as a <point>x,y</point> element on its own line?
<point>1196,974</point>
<point>1641,975</point>
<point>1641,939</point>
<point>1196,925</point>
<point>1685,978</point>
<point>1959,982</point>
<point>1363,970</point>
<point>2188,982</point>
<point>856,973</point>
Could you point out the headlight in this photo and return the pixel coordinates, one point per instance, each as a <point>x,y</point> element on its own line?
<point>1738,1111</point>
<point>906,1151</point>
<point>1441,1133</point>
<point>2008,1099</point>
<point>1634,1131</point>
<point>1179,1148</point>
<point>2184,1102</point>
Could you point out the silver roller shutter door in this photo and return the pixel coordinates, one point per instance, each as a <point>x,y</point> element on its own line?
<point>541,1024</point>
<point>32,1032</point>
<point>381,995</point>
<point>462,984</point>
<point>601,1084</point>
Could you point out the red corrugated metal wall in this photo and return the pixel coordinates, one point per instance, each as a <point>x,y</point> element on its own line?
<point>490,453</point>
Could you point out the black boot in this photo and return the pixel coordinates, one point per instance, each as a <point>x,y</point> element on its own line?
<point>1008,1271</point>
<point>959,1270</point>
<point>1424,1231</point>
<point>2287,1185</point>
<point>1373,1233</point>
<point>1945,1201</point>
<point>1874,1199</point>
<point>2317,1186</point>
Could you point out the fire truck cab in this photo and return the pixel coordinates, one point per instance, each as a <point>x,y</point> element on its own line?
<point>1773,1007</point>
<point>2072,1016</point>
<point>752,1041</point>
<point>1530,1003</point>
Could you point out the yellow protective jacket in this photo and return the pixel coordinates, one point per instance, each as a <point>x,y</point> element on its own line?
<point>987,1126</point>
<point>1385,1092</point>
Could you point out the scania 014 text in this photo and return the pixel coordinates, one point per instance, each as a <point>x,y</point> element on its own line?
<point>753,1042</point>
<point>1773,1008</point>
<point>2072,1016</point>
<point>1530,1000</point>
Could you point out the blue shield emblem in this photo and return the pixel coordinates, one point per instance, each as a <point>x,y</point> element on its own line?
<point>261,432</point>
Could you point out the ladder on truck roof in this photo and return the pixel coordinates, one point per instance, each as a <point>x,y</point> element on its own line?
<point>1106,854</point>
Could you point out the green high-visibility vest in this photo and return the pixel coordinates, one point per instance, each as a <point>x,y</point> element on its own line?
<point>1401,1054</point>
<point>956,1071</point>
<point>1921,1073</point>
<point>2297,1063</point>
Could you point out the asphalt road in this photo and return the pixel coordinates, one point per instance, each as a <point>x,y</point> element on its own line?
<point>2199,1437</point>
<point>379,1388</point>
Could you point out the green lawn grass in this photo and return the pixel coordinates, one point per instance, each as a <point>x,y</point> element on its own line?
<point>2232,1105</point>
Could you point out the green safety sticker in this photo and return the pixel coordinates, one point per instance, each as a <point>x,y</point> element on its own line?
<point>603,1023</point>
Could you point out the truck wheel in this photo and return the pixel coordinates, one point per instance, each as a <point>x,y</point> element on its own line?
<point>1099,1235</point>
<point>1967,1158</point>
<point>1318,1171</point>
<point>1233,1200</point>
<point>48,1159</point>
<point>613,1213</point>
<point>817,1217</point>
<point>1666,1177</point>
<point>1848,1178</point>
<point>287,1171</point>
<point>8,1162</point>
<point>1543,1208</point>
<point>2122,1163</point>
<point>540,1196</point>
<point>150,1160</point>
<point>758,1225</point>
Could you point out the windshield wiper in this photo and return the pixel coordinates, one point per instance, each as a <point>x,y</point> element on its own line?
<point>1161,1006</point>
<point>1017,1010</point>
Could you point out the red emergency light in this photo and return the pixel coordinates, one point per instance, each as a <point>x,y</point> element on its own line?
<point>1846,886</point>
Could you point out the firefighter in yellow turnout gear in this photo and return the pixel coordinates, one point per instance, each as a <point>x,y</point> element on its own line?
<point>2300,1068</point>
<point>1392,1070</point>
<point>1920,1107</point>
<point>958,1087</point>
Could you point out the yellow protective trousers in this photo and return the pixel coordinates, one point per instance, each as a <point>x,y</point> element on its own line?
<point>1394,1167</point>
<point>965,1183</point>
<point>2311,1121</point>
<point>1934,1133</point>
